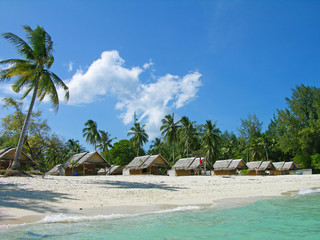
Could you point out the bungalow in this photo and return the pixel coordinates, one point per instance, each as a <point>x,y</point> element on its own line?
<point>150,164</point>
<point>260,167</point>
<point>86,163</point>
<point>8,154</point>
<point>190,166</point>
<point>285,168</point>
<point>229,166</point>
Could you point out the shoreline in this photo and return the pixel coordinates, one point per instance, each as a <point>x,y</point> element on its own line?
<point>29,200</point>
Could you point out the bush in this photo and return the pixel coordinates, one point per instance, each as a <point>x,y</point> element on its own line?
<point>244,172</point>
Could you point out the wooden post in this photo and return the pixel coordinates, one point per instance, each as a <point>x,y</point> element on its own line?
<point>84,170</point>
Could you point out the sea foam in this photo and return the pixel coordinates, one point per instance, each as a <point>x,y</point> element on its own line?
<point>63,218</point>
<point>305,191</point>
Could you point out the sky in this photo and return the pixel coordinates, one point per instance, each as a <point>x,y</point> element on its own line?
<point>207,60</point>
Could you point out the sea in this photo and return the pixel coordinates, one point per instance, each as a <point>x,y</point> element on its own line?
<point>294,217</point>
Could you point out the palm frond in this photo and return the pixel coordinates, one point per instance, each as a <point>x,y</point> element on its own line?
<point>22,47</point>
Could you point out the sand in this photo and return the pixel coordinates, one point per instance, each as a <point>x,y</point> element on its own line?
<point>25,199</point>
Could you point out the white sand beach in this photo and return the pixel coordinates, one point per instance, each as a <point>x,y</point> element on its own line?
<point>25,199</point>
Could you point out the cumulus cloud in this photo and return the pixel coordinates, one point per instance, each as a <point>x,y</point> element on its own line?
<point>108,76</point>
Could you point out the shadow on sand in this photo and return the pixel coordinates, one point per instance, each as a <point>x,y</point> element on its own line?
<point>137,185</point>
<point>14,196</point>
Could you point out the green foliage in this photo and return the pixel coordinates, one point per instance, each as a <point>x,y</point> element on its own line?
<point>315,161</point>
<point>303,159</point>
<point>123,152</point>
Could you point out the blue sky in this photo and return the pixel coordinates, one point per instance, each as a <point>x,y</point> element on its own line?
<point>207,60</point>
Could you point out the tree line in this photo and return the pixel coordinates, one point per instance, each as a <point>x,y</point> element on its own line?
<point>292,134</point>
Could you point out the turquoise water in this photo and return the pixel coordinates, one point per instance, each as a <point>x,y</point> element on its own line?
<point>296,217</point>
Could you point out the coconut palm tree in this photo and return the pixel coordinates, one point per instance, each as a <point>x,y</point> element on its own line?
<point>170,129</point>
<point>32,74</point>
<point>91,133</point>
<point>139,136</point>
<point>210,138</point>
<point>105,142</point>
<point>188,132</point>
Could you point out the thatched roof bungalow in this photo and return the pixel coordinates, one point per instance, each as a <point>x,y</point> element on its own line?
<point>285,168</point>
<point>8,154</point>
<point>86,163</point>
<point>229,166</point>
<point>149,164</point>
<point>190,166</point>
<point>113,170</point>
<point>260,167</point>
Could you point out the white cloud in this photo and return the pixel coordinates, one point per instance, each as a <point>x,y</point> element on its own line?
<point>7,89</point>
<point>107,76</point>
<point>70,66</point>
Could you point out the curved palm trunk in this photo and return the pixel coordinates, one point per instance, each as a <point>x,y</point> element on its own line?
<point>16,161</point>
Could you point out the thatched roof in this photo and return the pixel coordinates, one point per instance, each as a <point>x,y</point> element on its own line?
<point>286,166</point>
<point>85,158</point>
<point>230,164</point>
<point>142,162</point>
<point>260,165</point>
<point>237,164</point>
<point>291,166</point>
<point>222,164</point>
<point>278,165</point>
<point>183,163</point>
<point>8,154</point>
<point>266,165</point>
<point>191,164</point>
<point>54,170</point>
<point>254,165</point>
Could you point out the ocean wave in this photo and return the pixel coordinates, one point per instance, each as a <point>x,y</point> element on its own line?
<point>305,191</point>
<point>71,218</point>
<point>63,218</point>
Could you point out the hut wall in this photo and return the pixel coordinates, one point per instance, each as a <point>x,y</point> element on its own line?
<point>254,172</point>
<point>225,172</point>
<point>276,172</point>
<point>135,171</point>
<point>70,172</point>
<point>182,172</point>
<point>221,172</point>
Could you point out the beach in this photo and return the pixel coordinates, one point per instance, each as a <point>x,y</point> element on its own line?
<point>25,199</point>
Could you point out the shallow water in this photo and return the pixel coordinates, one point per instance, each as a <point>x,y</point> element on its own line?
<point>296,217</point>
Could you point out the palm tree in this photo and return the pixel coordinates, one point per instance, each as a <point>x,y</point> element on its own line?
<point>105,142</point>
<point>74,147</point>
<point>188,132</point>
<point>91,133</point>
<point>139,135</point>
<point>170,129</point>
<point>32,74</point>
<point>210,138</point>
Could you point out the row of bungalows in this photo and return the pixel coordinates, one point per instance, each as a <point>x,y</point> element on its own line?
<point>8,154</point>
<point>190,166</point>
<point>232,167</point>
<point>94,164</point>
